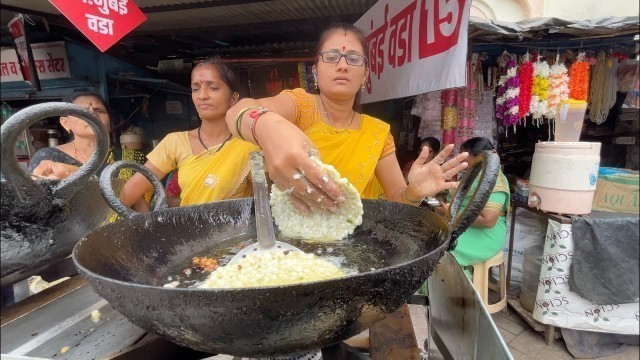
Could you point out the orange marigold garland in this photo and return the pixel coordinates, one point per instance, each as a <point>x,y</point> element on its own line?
<point>579,79</point>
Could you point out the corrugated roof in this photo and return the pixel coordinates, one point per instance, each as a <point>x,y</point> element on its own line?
<point>167,14</point>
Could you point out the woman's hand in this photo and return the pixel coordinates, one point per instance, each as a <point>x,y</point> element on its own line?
<point>54,170</point>
<point>443,209</point>
<point>287,152</point>
<point>430,178</point>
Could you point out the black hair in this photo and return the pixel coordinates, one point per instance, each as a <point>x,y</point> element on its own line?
<point>228,76</point>
<point>71,97</point>
<point>346,28</point>
<point>432,142</point>
<point>476,145</point>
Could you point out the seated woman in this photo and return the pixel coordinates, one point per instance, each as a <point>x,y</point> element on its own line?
<point>485,237</point>
<point>211,165</point>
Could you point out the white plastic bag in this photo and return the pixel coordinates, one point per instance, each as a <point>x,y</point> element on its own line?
<point>530,230</point>
<point>557,305</point>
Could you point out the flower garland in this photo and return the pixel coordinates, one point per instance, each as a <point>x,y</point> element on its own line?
<point>579,79</point>
<point>558,87</point>
<point>526,86</point>
<point>467,106</point>
<point>508,93</point>
<point>449,110</point>
<point>540,91</point>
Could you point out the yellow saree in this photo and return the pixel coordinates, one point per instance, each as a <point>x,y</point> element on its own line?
<point>214,175</point>
<point>354,153</point>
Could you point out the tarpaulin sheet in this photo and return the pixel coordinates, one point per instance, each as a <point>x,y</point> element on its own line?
<point>606,257</point>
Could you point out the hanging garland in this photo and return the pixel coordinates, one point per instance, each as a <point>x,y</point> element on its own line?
<point>540,91</point>
<point>526,86</point>
<point>467,104</point>
<point>449,110</point>
<point>558,86</point>
<point>508,95</point>
<point>579,79</point>
<point>602,93</point>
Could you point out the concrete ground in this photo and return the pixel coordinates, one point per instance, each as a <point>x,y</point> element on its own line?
<point>527,344</point>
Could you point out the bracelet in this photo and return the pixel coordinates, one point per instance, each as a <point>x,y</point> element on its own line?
<point>239,119</point>
<point>404,196</point>
<point>255,116</point>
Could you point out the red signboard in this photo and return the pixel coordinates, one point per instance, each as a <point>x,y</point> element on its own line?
<point>104,22</point>
<point>16,28</point>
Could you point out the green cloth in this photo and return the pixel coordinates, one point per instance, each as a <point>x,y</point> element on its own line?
<point>478,244</point>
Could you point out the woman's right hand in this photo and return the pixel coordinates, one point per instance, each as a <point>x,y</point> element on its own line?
<point>54,170</point>
<point>287,151</point>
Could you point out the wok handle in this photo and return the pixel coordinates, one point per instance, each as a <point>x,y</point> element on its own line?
<point>488,165</point>
<point>106,186</point>
<point>27,189</point>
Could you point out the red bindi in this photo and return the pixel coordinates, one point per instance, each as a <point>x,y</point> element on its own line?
<point>344,48</point>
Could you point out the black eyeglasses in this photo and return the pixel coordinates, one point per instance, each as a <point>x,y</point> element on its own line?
<point>333,57</point>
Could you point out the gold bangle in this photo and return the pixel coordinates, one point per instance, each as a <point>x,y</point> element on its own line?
<point>404,196</point>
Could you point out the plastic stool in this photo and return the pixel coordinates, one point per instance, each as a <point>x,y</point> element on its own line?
<point>482,284</point>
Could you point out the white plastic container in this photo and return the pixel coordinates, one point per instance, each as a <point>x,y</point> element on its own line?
<point>564,176</point>
<point>569,119</point>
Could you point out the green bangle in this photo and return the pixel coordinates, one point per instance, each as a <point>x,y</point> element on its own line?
<point>239,118</point>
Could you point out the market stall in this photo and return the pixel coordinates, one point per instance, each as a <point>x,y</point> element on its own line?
<point>526,82</point>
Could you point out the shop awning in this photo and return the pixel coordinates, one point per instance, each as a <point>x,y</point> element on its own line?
<point>153,85</point>
<point>551,28</point>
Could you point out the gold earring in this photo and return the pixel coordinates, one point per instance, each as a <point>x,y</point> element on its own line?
<point>363,86</point>
<point>315,82</point>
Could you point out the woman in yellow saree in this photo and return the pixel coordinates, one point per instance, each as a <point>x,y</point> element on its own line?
<point>211,164</point>
<point>290,125</point>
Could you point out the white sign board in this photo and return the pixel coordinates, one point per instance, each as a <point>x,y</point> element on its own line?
<point>50,61</point>
<point>415,46</point>
<point>10,66</point>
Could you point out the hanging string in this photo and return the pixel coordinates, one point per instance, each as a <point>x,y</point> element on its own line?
<point>602,95</point>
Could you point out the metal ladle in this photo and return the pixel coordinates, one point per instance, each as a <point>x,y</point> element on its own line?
<point>264,221</point>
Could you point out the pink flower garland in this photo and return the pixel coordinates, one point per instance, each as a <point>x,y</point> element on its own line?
<point>558,87</point>
<point>466,108</point>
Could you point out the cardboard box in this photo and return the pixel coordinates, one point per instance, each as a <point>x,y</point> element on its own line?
<point>522,184</point>
<point>628,121</point>
<point>617,190</point>
<point>522,192</point>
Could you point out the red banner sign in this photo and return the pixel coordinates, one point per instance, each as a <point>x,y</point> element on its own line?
<point>104,22</point>
<point>17,30</point>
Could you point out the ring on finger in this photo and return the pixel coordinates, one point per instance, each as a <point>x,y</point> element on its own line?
<point>297,175</point>
<point>440,162</point>
<point>446,177</point>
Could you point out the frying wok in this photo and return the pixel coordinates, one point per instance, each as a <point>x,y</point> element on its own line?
<point>43,219</point>
<point>127,263</point>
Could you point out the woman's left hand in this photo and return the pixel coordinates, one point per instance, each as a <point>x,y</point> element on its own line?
<point>430,178</point>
